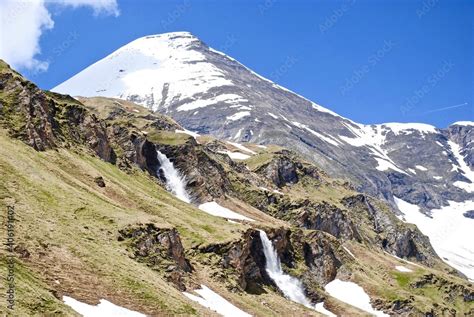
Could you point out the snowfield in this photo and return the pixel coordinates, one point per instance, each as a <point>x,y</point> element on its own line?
<point>103,309</point>
<point>210,299</point>
<point>451,234</point>
<point>217,210</point>
<point>352,294</point>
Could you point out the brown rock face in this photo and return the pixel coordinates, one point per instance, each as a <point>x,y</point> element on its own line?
<point>135,149</point>
<point>327,218</point>
<point>248,259</point>
<point>321,257</point>
<point>160,249</point>
<point>403,241</point>
<point>281,171</point>
<point>48,120</point>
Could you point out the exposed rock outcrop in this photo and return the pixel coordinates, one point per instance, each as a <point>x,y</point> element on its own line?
<point>246,258</point>
<point>400,239</point>
<point>159,248</point>
<point>48,120</point>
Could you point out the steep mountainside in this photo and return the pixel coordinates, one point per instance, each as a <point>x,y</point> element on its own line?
<point>95,218</point>
<point>211,93</point>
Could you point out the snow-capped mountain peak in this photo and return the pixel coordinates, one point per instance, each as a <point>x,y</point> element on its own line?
<point>153,70</point>
<point>211,93</point>
<point>174,70</point>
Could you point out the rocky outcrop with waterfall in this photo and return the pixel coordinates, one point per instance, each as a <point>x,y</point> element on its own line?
<point>97,185</point>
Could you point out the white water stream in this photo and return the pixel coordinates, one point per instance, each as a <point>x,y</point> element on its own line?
<point>175,182</point>
<point>291,287</point>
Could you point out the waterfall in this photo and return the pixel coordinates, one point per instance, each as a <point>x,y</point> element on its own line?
<point>175,182</point>
<point>291,287</point>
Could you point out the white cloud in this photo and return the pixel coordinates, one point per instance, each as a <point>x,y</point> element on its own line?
<point>22,22</point>
<point>99,6</point>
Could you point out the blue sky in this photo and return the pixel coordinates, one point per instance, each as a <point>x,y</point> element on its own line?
<point>370,61</point>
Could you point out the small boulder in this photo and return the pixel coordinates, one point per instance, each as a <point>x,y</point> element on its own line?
<point>99,181</point>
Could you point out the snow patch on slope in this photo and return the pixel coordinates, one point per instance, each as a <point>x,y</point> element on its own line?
<point>450,233</point>
<point>217,210</point>
<point>238,115</point>
<point>403,269</point>
<point>210,299</point>
<point>241,147</point>
<point>201,103</point>
<point>235,155</point>
<point>352,294</point>
<point>319,307</point>
<point>188,132</point>
<point>103,309</point>
<point>372,137</point>
<point>421,168</point>
<point>408,128</point>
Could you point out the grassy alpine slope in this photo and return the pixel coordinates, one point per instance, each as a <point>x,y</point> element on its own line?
<point>75,237</point>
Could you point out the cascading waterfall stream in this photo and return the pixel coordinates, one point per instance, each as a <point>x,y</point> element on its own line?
<point>175,182</point>
<point>291,287</point>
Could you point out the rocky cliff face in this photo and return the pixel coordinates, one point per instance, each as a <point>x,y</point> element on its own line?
<point>159,248</point>
<point>48,120</point>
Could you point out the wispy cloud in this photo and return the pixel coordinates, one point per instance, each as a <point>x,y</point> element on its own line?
<point>445,108</point>
<point>23,22</point>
